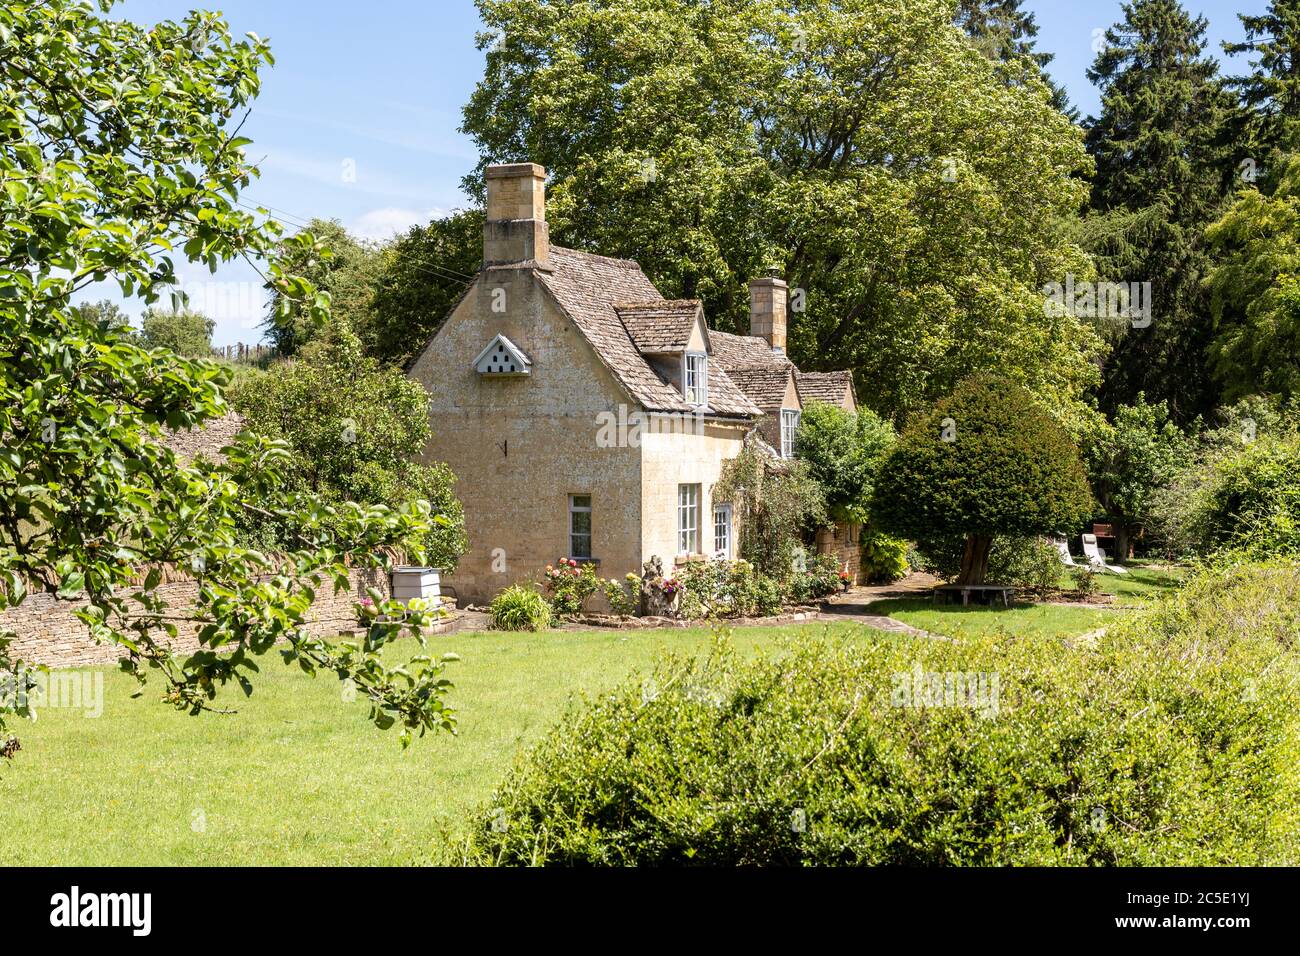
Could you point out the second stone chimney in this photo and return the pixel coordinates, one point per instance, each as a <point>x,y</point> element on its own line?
<point>767,302</point>
<point>515,232</point>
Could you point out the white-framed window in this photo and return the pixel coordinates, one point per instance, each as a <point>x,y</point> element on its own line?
<point>580,526</point>
<point>789,425</point>
<point>688,519</point>
<point>695,378</point>
<point>722,530</point>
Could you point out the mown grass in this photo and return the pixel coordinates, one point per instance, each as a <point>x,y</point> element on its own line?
<point>299,776</point>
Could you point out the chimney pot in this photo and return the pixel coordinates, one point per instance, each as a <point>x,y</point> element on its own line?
<point>515,232</point>
<point>767,311</point>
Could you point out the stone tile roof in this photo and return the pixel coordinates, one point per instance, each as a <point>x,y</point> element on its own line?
<point>829,387</point>
<point>765,385</point>
<point>739,351</point>
<point>663,326</point>
<point>587,287</point>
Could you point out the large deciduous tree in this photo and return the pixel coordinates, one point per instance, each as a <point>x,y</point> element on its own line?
<point>119,153</point>
<point>1005,30</point>
<point>988,460</point>
<point>1160,167</point>
<point>1255,288</point>
<point>914,188</point>
<point>181,331</point>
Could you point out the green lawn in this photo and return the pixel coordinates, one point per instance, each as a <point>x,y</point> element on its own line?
<point>300,777</point>
<point>1144,579</point>
<point>1045,620</point>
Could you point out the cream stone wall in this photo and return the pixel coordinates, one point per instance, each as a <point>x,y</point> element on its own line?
<point>692,454</point>
<point>520,446</point>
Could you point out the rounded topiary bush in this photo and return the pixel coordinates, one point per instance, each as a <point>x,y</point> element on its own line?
<point>1172,740</point>
<point>986,461</point>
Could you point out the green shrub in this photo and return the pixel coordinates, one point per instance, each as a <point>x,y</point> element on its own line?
<point>624,596</point>
<point>1085,580</point>
<point>569,587</point>
<point>720,588</point>
<point>1174,739</point>
<point>884,557</point>
<point>520,608</point>
<point>987,461</point>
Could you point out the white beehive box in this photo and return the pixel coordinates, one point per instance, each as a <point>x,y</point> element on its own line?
<point>411,583</point>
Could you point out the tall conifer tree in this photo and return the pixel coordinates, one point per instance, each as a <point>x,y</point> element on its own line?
<point>1159,178</point>
<point>1269,117</point>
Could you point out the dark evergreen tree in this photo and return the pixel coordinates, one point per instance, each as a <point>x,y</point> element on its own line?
<point>1268,119</point>
<point>1160,156</point>
<point>1007,31</point>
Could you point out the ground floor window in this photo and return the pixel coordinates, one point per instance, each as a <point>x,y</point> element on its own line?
<point>722,530</point>
<point>579,526</point>
<point>688,519</point>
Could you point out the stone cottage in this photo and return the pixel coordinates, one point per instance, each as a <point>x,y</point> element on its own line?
<point>587,416</point>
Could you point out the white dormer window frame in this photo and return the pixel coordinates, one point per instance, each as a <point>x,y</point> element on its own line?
<point>695,378</point>
<point>502,359</point>
<point>789,425</point>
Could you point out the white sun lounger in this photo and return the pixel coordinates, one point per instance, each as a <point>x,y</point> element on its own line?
<point>1063,547</point>
<point>1097,557</point>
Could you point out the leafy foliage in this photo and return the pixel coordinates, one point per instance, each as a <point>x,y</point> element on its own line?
<point>1255,288</point>
<point>986,461</point>
<point>569,586</point>
<point>520,608</point>
<point>843,451</point>
<point>883,558</point>
<point>1237,489</point>
<point>183,332</point>
<point>1128,459</point>
<point>424,273</point>
<point>776,502</point>
<point>1173,741</point>
<point>355,431</point>
<point>334,261</point>
<point>120,149</point>
<point>1270,93</point>
<point>914,187</point>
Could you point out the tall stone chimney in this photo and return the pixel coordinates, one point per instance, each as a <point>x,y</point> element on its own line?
<point>767,301</point>
<point>515,232</point>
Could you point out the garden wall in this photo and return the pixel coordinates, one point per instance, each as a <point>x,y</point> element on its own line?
<point>49,633</point>
<point>843,542</point>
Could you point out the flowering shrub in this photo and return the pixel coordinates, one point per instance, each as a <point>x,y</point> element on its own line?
<point>624,596</point>
<point>568,586</point>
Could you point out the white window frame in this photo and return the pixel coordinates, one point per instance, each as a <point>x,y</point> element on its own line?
<point>727,536</point>
<point>576,509</point>
<point>695,378</point>
<point>789,425</point>
<point>688,519</point>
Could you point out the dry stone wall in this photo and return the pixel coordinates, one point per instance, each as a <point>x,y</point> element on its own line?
<point>49,632</point>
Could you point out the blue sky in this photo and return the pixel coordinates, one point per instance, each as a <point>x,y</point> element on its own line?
<point>357,120</point>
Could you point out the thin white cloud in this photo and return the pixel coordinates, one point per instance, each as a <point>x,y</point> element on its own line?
<point>378,225</point>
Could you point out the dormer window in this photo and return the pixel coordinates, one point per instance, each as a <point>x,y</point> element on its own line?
<point>789,426</point>
<point>695,378</point>
<point>502,357</point>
